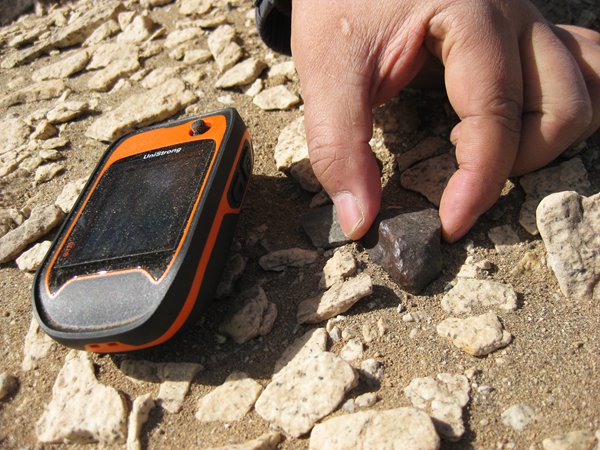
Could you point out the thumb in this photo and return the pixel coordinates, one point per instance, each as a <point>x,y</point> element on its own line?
<point>339,125</point>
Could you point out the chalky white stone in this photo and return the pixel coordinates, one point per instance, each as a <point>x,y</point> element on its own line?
<point>338,299</point>
<point>140,411</point>
<point>276,98</point>
<point>42,90</point>
<point>14,132</point>
<point>444,398</point>
<point>68,65</point>
<point>68,196</point>
<point>136,111</point>
<point>337,268</point>
<point>159,76</point>
<point>430,177</point>
<point>568,176</point>
<point>37,345</point>
<point>475,296</point>
<point>285,69</point>
<point>573,440</point>
<point>221,44</point>
<point>301,394</point>
<point>198,7</point>
<point>352,351</point>
<point>518,416</point>
<point>137,31</point>
<point>478,335</point>
<point>241,74</point>
<point>47,172</point>
<point>570,228</point>
<point>253,317</point>
<point>279,260</point>
<point>82,409</point>
<point>504,238</point>
<point>309,344</point>
<point>230,401</point>
<point>400,428</point>
<point>178,37</point>
<point>31,260</point>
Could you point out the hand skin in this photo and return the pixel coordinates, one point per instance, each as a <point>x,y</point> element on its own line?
<point>524,90</point>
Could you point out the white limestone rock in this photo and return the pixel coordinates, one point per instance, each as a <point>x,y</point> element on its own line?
<point>224,49</point>
<point>195,56</point>
<point>31,260</point>
<point>309,344</point>
<point>82,409</point>
<point>47,172</point>
<point>429,177</point>
<point>518,416</point>
<point>573,440</point>
<point>568,176</point>
<point>14,132</point>
<point>68,65</point>
<point>276,98</point>
<point>352,351</point>
<point>241,74</point>
<point>303,393</point>
<point>136,111</point>
<point>69,194</point>
<point>285,69</point>
<point>291,155</point>
<point>231,401</point>
<point>504,238</point>
<point>138,30</point>
<point>160,75</point>
<point>36,346</point>
<point>474,296</point>
<point>140,411</point>
<point>195,7</point>
<point>67,111</point>
<point>42,90</point>
<point>279,260</point>
<point>400,428</point>
<point>41,221</point>
<point>338,268</point>
<point>253,317</point>
<point>478,335</point>
<point>106,78</point>
<point>336,300</point>
<point>44,130</point>
<point>443,398</point>
<point>570,228</point>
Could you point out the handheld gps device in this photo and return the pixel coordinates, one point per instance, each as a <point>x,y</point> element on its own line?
<point>144,246</point>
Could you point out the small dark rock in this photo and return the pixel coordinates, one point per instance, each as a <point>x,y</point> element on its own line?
<point>407,245</point>
<point>322,227</point>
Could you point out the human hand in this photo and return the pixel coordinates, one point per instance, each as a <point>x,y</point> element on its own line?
<point>524,89</point>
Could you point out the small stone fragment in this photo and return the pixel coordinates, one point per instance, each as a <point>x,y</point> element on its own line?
<point>570,228</point>
<point>140,411</point>
<point>504,238</point>
<point>518,416</point>
<point>159,76</point>
<point>195,56</point>
<point>285,69</point>
<point>43,90</point>
<point>14,132</point>
<point>530,263</point>
<point>366,400</point>
<point>41,221</point>
<point>443,399</point>
<point>36,347</point>
<point>372,372</point>
<point>267,441</point>
<point>429,178</point>
<point>196,7</point>
<point>407,245</point>
<point>303,393</point>
<point>67,111</point>
<point>68,196</point>
<point>336,300</point>
<point>103,32</point>
<point>82,409</point>
<point>231,401</point>
<point>276,98</point>
<point>44,130</point>
<point>136,111</point>
<point>254,316</point>
<point>31,260</point>
<point>337,268</point>
<point>574,440</point>
<point>472,296</point>
<point>323,228</point>
<point>427,148</point>
<point>69,64</point>
<point>47,172</point>
<point>279,260</point>
<point>291,155</point>
<point>478,335</point>
<point>352,351</point>
<point>8,385</point>
<point>106,78</point>
<point>177,37</point>
<point>568,176</point>
<point>137,31</point>
<point>223,48</point>
<point>241,74</point>
<point>312,342</point>
<point>400,428</point>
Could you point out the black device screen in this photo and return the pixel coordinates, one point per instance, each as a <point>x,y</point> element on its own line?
<point>137,214</point>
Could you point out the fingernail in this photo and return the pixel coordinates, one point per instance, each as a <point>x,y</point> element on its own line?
<point>349,213</point>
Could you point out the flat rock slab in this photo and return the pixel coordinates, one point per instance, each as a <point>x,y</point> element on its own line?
<point>42,90</point>
<point>430,177</point>
<point>241,74</point>
<point>279,260</point>
<point>574,440</point>
<point>301,394</point>
<point>568,176</point>
<point>37,345</point>
<point>338,268</point>
<point>31,260</point>
<point>309,344</point>
<point>407,246</point>
<point>291,156</point>
<point>444,398</point>
<point>338,299</point>
<point>137,111</point>
<point>276,98</point>
<point>41,221</point>
<point>82,409</point>
<point>400,428</point>
<point>253,316</point>
<point>476,296</point>
<point>570,228</point>
<point>68,65</point>
<point>267,441</point>
<point>323,228</point>
<point>478,335</point>
<point>230,401</point>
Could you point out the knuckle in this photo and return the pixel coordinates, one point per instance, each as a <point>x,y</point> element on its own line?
<point>508,112</point>
<point>574,116</point>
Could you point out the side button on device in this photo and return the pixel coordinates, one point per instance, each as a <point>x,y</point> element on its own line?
<point>240,178</point>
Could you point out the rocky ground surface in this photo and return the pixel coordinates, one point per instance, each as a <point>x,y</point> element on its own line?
<point>489,343</point>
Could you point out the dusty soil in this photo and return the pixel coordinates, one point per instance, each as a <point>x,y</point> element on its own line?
<point>552,364</point>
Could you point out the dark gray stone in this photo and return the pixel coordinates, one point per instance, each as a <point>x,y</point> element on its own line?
<point>322,227</point>
<point>407,245</point>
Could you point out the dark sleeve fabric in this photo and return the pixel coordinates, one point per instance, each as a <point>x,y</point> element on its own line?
<point>274,23</point>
